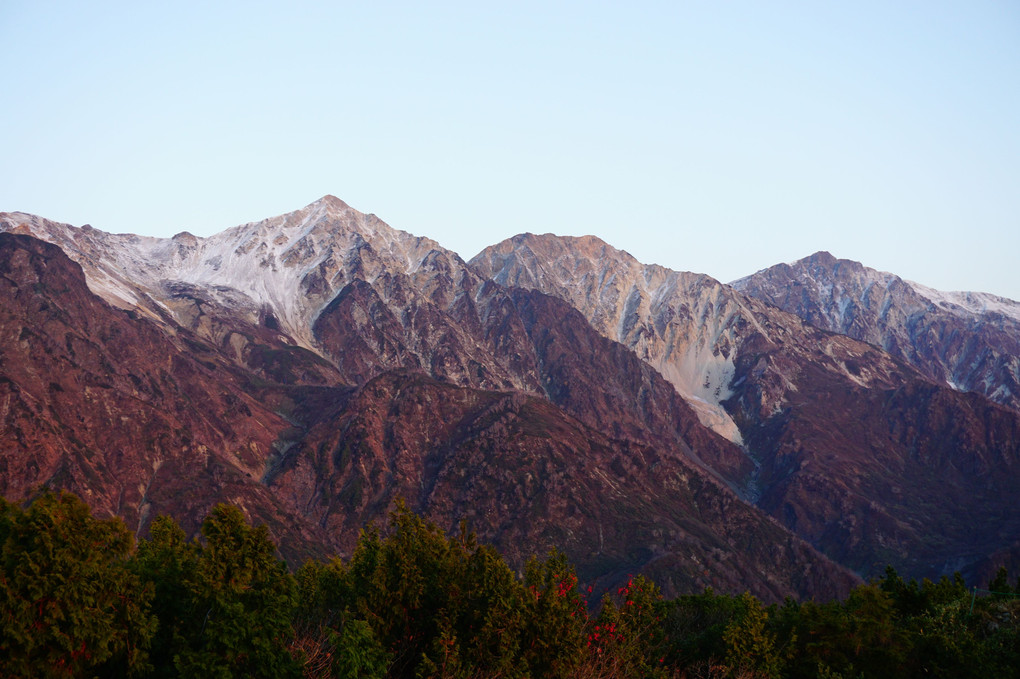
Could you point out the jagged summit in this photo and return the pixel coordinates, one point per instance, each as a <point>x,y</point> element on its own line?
<point>645,307</point>
<point>823,257</point>
<point>968,340</point>
<point>410,365</point>
<point>292,264</point>
<point>690,327</point>
<point>823,266</point>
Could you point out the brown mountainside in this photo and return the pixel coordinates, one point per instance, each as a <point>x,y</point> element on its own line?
<point>528,478</point>
<point>192,402</point>
<point>857,452</point>
<point>137,422</point>
<point>968,340</point>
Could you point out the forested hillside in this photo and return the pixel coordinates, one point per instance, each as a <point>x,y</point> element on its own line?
<point>79,598</point>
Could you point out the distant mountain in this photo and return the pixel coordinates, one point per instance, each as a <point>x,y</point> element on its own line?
<point>135,420</point>
<point>968,340</point>
<point>314,366</point>
<point>856,451</point>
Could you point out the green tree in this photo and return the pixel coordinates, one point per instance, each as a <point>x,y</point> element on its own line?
<point>750,644</point>
<point>999,585</point>
<point>358,654</point>
<point>907,596</point>
<point>863,634</point>
<point>440,606</point>
<point>68,602</point>
<point>224,604</point>
<point>168,561</point>
<point>556,617</point>
<point>335,643</point>
<point>693,626</point>
<point>943,645</point>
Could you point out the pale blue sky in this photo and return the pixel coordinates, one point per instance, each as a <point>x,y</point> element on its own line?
<point>719,137</point>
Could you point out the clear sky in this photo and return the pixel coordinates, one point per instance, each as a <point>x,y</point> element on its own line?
<point>719,137</point>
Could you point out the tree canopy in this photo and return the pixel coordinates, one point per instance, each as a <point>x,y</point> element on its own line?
<point>79,599</point>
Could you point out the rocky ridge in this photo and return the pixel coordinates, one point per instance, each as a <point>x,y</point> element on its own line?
<point>968,340</point>
<point>688,326</point>
<point>543,360</point>
<point>229,348</point>
<point>841,431</point>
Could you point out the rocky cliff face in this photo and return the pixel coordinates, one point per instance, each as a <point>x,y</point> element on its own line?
<point>278,274</point>
<point>529,478</point>
<point>394,301</point>
<point>394,375</point>
<point>841,431</point>
<point>314,366</point>
<point>103,403</point>
<point>968,340</point>
<point>288,266</point>
<point>647,308</point>
<point>689,327</point>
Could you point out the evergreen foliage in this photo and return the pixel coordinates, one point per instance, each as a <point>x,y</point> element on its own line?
<point>69,604</point>
<point>77,600</point>
<point>224,603</point>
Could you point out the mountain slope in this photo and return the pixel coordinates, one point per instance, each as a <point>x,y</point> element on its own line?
<point>968,340</point>
<point>303,395</point>
<point>688,326</point>
<point>375,299</point>
<point>101,403</point>
<point>290,265</point>
<point>528,479</point>
<point>840,430</point>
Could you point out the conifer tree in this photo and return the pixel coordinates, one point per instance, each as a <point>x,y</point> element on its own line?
<point>224,606</point>
<point>68,602</point>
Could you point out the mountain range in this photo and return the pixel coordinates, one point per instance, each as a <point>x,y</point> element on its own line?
<point>789,433</point>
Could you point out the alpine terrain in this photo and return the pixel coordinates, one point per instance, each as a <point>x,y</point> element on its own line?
<point>314,367</point>
<point>968,340</point>
<point>855,450</point>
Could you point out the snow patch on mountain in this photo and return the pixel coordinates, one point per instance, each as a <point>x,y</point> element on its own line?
<point>645,307</point>
<point>292,264</point>
<point>978,303</point>
<point>968,340</point>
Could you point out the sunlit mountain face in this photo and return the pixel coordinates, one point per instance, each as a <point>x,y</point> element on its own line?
<point>554,392</point>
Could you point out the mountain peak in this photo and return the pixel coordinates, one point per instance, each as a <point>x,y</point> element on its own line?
<point>329,200</point>
<point>932,330</point>
<point>292,263</point>
<point>184,237</point>
<point>553,247</point>
<point>823,257</point>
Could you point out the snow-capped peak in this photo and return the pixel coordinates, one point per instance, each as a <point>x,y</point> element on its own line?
<point>978,303</point>
<point>292,264</point>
